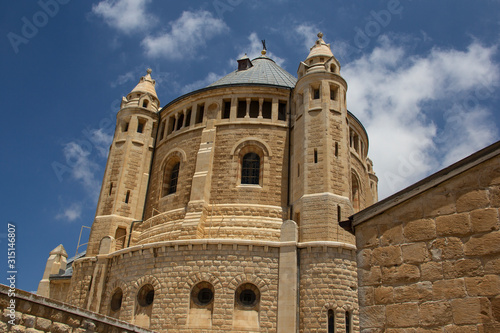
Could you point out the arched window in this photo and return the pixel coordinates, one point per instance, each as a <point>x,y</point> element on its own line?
<point>250,169</point>
<point>170,178</point>
<point>331,321</point>
<point>347,322</point>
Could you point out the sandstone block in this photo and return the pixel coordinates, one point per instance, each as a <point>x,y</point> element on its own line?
<point>18,329</point>
<point>390,234</point>
<point>366,236</point>
<point>364,258</point>
<point>421,291</point>
<point>402,315</point>
<point>387,256</point>
<point>461,268</point>
<point>432,271</point>
<point>453,225</point>
<point>383,295</point>
<point>439,201</point>
<point>495,308</point>
<point>435,313</point>
<point>488,285</point>
<point>447,248</point>
<point>495,196</point>
<point>420,230</point>
<point>472,200</point>
<point>415,253</point>
<point>404,273</point>
<point>491,265</point>
<point>42,324</point>
<point>471,310</point>
<point>483,245</point>
<point>484,220</point>
<point>370,277</point>
<point>448,289</point>
<point>366,296</point>
<point>372,316</point>
<point>460,329</point>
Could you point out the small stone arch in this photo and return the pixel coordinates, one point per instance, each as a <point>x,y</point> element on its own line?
<point>110,291</point>
<point>146,279</point>
<point>196,278</point>
<point>174,152</point>
<point>248,278</point>
<point>251,141</point>
<point>213,110</point>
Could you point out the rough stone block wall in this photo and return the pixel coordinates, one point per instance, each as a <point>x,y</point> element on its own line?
<point>36,314</point>
<point>83,269</point>
<point>432,263</point>
<point>328,281</point>
<point>173,270</point>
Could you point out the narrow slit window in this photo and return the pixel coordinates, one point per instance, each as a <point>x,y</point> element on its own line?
<point>336,149</point>
<point>145,103</point>
<point>339,213</point>
<point>171,125</point>
<point>180,120</point>
<point>298,170</point>
<point>267,108</point>
<point>200,114</point>
<point>316,93</point>
<point>188,118</point>
<point>282,111</point>
<point>242,109</point>
<point>127,197</point>
<point>140,125</point>
<point>315,155</point>
<point>162,130</point>
<point>110,188</point>
<point>333,93</point>
<point>331,321</point>
<point>125,127</point>
<point>254,109</point>
<point>347,322</point>
<point>227,110</point>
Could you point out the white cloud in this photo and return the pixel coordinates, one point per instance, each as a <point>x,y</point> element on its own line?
<point>71,213</point>
<point>422,112</point>
<point>83,168</point>
<point>125,15</point>
<point>307,32</point>
<point>124,78</point>
<point>209,79</point>
<point>253,50</point>
<point>187,34</point>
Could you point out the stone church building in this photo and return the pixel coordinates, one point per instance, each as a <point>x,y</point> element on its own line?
<point>250,205</point>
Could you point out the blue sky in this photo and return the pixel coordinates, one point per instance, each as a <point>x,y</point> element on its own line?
<point>423,78</point>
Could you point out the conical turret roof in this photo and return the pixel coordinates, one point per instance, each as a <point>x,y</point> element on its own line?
<point>320,48</point>
<point>146,84</point>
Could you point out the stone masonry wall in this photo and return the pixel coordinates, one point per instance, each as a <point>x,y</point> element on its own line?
<point>328,281</point>
<point>173,270</point>
<point>432,263</point>
<point>36,314</point>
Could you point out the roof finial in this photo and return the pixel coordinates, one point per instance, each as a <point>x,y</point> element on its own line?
<point>263,52</point>
<point>320,35</point>
<point>149,70</point>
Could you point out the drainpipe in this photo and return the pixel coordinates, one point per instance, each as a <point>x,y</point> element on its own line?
<point>130,232</point>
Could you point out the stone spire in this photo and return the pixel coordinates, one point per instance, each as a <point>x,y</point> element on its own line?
<point>320,49</point>
<point>146,84</point>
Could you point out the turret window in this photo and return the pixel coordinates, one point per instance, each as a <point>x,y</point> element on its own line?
<point>127,197</point>
<point>250,169</point>
<point>140,125</point>
<point>331,321</point>
<point>242,108</point>
<point>145,103</point>
<point>347,322</point>
<point>316,93</point>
